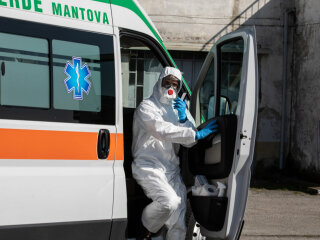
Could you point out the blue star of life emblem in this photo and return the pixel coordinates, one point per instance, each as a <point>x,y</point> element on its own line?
<point>77,78</point>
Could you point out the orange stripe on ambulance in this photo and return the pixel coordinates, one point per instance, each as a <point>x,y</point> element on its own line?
<point>79,13</point>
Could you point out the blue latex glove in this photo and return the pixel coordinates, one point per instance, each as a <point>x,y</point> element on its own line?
<point>207,130</point>
<point>181,106</point>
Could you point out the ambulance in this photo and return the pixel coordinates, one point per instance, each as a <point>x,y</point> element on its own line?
<point>72,73</point>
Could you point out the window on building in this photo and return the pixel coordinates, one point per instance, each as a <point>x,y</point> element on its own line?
<point>141,68</point>
<point>190,64</point>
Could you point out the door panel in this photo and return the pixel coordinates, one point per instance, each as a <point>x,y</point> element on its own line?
<point>201,155</point>
<point>204,208</point>
<point>227,92</point>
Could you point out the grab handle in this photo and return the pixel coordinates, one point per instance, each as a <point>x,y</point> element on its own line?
<point>103,144</point>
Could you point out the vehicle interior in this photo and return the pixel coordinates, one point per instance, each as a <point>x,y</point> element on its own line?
<point>141,66</point>
<point>211,157</point>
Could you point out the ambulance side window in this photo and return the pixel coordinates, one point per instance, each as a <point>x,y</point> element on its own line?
<point>64,51</point>
<point>140,71</point>
<point>24,78</point>
<point>56,74</point>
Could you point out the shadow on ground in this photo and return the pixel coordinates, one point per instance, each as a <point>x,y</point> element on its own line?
<point>274,179</point>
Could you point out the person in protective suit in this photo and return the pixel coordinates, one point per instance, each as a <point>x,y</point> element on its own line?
<point>162,122</point>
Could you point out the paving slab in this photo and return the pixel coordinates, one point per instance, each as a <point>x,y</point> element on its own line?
<point>281,214</point>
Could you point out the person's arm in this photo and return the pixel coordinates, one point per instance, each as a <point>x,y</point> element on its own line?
<point>185,118</point>
<point>189,123</point>
<point>163,130</point>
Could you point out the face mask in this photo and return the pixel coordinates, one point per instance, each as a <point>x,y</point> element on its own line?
<point>167,95</point>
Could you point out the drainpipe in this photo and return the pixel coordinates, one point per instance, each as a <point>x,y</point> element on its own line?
<point>284,83</point>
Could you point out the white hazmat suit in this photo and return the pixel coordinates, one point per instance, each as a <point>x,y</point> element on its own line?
<point>157,134</point>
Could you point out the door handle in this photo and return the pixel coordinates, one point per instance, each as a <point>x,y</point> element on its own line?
<point>3,69</point>
<point>103,144</point>
<point>242,136</point>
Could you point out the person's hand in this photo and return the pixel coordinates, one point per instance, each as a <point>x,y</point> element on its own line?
<point>181,107</point>
<point>207,130</point>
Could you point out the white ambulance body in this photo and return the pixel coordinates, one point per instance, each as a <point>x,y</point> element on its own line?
<point>71,74</point>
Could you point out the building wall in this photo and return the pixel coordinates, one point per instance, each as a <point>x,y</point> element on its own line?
<point>189,63</point>
<point>188,25</point>
<point>196,25</point>
<point>306,108</point>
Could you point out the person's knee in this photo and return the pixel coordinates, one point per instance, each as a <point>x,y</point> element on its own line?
<point>171,204</point>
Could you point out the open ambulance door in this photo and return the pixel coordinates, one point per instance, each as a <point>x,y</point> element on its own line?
<point>226,90</point>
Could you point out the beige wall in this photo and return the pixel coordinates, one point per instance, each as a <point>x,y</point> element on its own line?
<point>191,25</point>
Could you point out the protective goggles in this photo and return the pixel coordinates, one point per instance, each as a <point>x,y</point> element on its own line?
<point>171,81</point>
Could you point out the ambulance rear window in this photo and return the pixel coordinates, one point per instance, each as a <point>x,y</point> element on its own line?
<point>50,73</point>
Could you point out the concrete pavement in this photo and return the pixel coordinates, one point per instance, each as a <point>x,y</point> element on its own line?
<point>275,214</point>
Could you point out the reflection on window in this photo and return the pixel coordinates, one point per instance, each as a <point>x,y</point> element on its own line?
<point>24,78</point>
<point>140,71</point>
<point>231,57</point>
<point>206,94</point>
<point>64,52</point>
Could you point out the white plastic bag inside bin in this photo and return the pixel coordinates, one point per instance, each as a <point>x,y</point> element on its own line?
<point>203,188</point>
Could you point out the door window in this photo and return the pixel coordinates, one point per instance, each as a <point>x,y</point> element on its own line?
<point>230,68</point>
<point>230,55</point>
<point>141,68</point>
<point>206,94</point>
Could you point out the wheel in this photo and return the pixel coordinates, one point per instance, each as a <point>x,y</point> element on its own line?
<point>193,228</point>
